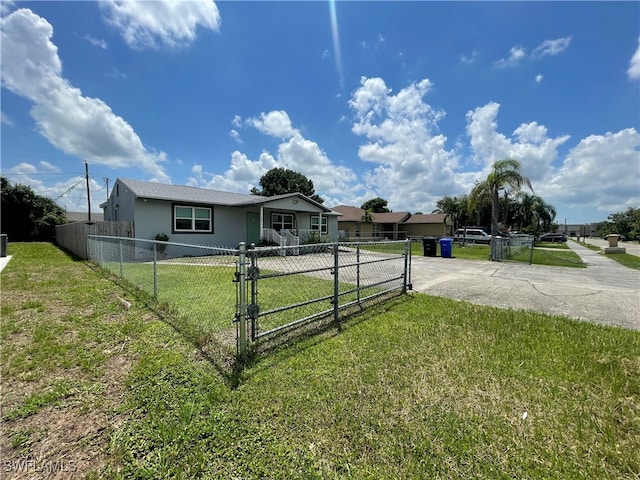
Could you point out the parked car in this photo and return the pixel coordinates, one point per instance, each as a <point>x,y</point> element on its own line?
<point>553,237</point>
<point>472,235</point>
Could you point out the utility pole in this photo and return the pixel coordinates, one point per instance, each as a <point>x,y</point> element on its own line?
<point>107,180</point>
<point>86,174</point>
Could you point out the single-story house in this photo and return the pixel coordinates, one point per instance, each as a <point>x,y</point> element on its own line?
<point>428,224</point>
<point>212,217</point>
<point>392,225</point>
<point>353,224</point>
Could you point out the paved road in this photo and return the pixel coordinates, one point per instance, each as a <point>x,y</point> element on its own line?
<point>605,292</point>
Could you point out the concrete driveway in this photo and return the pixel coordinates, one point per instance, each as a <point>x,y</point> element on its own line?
<point>605,292</point>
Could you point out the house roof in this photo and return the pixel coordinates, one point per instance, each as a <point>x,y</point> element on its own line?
<point>355,214</point>
<point>182,193</point>
<point>426,218</point>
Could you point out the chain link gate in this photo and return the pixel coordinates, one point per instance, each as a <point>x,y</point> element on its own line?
<point>282,288</point>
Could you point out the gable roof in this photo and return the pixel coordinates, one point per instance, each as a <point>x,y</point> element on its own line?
<point>182,193</point>
<point>355,214</point>
<point>426,218</point>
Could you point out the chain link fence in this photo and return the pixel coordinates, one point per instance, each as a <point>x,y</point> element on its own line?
<point>296,285</point>
<point>193,280</point>
<point>516,248</point>
<point>263,290</point>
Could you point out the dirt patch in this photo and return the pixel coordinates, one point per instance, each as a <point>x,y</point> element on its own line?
<point>66,441</point>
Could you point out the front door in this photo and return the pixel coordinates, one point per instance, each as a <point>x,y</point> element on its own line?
<point>253,228</point>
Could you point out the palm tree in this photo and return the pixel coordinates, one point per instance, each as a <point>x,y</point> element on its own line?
<point>479,200</point>
<point>505,174</point>
<point>454,209</point>
<point>533,214</point>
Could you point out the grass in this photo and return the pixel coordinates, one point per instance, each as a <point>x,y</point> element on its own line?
<point>625,259</point>
<point>560,256</point>
<point>203,297</point>
<point>421,387</point>
<point>629,261</point>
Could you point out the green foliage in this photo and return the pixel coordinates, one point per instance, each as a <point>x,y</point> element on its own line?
<point>376,205</point>
<point>26,216</point>
<point>161,237</point>
<point>424,387</point>
<point>625,223</point>
<point>279,181</point>
<point>455,208</point>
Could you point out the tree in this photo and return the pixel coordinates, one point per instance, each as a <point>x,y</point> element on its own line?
<point>280,181</point>
<point>625,223</point>
<point>26,216</point>
<point>532,214</point>
<point>505,175</point>
<point>479,202</point>
<point>376,205</point>
<point>454,209</point>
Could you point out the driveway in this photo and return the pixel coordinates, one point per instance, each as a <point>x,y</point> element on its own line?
<point>605,292</point>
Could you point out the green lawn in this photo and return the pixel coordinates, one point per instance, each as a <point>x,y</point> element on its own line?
<point>420,387</point>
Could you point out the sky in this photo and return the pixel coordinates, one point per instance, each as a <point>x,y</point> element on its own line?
<point>407,101</point>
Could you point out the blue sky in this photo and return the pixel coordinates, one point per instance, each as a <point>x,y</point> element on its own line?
<point>408,101</point>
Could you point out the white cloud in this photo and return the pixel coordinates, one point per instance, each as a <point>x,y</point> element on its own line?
<point>242,175</point>
<point>464,58</point>
<point>70,194</point>
<point>546,48</point>
<point>634,65</point>
<point>551,47</point>
<point>539,78</point>
<point>96,42</point>
<point>275,123</point>
<point>530,144</point>
<point>515,55</point>
<point>601,172</point>
<point>235,135</point>
<point>80,126</point>
<point>414,167</point>
<point>5,119</point>
<point>160,23</point>
<point>6,6</point>
<point>116,74</point>
<point>295,152</point>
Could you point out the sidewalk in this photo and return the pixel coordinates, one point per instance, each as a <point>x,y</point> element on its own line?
<point>605,292</point>
<point>633,248</point>
<point>4,261</point>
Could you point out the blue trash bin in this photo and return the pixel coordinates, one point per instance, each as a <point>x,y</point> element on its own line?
<point>446,246</point>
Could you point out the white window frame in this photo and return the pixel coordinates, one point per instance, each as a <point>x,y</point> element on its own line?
<point>324,228</point>
<point>193,218</point>
<point>282,223</point>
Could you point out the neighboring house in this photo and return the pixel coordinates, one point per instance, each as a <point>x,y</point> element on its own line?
<point>212,217</point>
<point>354,225</point>
<point>426,225</point>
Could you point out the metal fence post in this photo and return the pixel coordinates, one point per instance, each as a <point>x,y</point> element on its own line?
<point>242,301</point>
<point>155,270</point>
<point>121,260</point>
<point>358,273</point>
<point>336,290</point>
<point>407,253</point>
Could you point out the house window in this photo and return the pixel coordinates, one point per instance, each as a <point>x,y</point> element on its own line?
<point>315,224</point>
<point>376,229</point>
<point>357,229</point>
<point>281,221</point>
<point>192,219</point>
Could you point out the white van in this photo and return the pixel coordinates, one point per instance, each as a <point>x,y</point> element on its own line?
<point>474,235</point>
